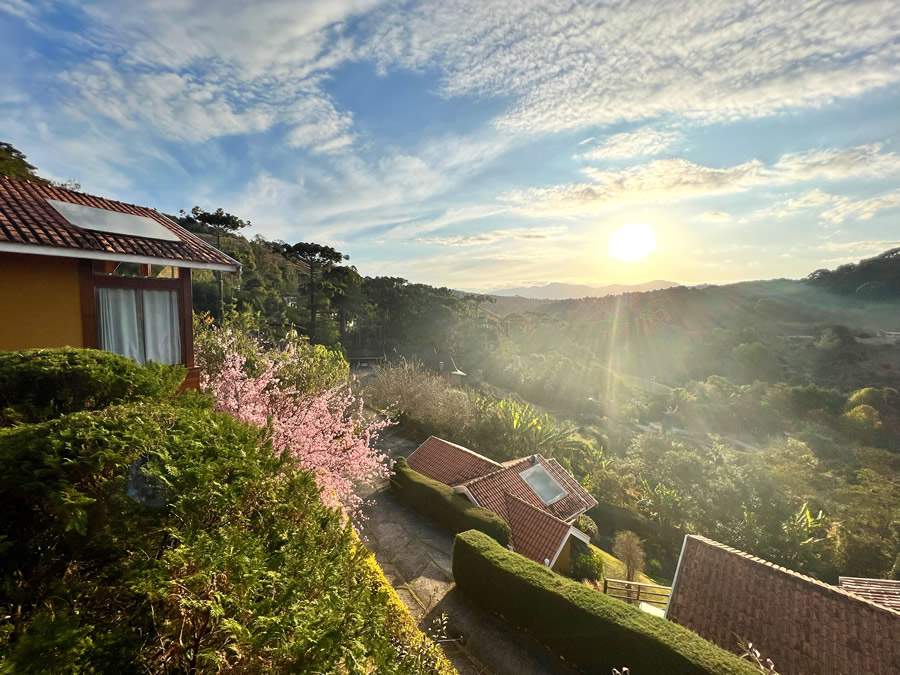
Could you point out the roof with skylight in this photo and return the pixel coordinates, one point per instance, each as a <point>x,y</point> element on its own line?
<point>544,485</point>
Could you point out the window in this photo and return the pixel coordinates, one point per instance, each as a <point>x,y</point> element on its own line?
<point>140,324</point>
<point>544,485</point>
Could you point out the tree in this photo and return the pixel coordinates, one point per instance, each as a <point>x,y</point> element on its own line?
<point>345,287</point>
<point>629,548</point>
<point>318,260</point>
<point>14,164</point>
<point>218,222</point>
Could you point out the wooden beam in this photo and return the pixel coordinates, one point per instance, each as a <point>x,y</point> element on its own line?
<point>186,305</point>
<point>89,335</point>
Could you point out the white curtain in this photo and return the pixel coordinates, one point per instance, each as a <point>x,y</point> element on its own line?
<point>120,331</point>
<point>162,337</point>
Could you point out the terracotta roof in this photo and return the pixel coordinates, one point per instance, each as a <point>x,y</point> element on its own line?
<point>802,624</point>
<point>534,532</point>
<point>885,592</point>
<point>28,220</point>
<point>449,463</point>
<point>489,490</point>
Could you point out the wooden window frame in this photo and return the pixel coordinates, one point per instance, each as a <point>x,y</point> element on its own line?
<point>90,282</point>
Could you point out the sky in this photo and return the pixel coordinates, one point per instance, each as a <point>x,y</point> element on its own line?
<point>484,144</point>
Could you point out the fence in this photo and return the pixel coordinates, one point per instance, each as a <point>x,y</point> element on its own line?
<point>635,593</point>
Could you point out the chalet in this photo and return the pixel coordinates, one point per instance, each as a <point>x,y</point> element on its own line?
<point>84,271</point>
<point>536,496</point>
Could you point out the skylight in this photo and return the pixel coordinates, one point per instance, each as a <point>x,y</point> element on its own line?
<point>101,220</point>
<point>544,485</point>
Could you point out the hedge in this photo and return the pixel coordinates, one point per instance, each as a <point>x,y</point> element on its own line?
<point>439,502</point>
<point>41,384</point>
<point>587,628</point>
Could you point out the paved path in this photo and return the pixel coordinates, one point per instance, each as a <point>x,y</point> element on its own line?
<point>416,557</point>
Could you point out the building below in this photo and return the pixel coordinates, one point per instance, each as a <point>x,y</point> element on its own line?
<point>536,496</point>
<point>803,625</point>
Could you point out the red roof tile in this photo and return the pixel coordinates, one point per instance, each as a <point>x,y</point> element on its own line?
<point>534,532</point>
<point>885,592</point>
<point>449,463</point>
<point>801,623</point>
<point>489,490</point>
<point>26,218</point>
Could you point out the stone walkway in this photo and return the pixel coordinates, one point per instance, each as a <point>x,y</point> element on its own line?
<point>416,557</point>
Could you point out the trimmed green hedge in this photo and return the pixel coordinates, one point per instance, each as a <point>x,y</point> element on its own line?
<point>586,627</point>
<point>42,384</point>
<point>439,502</point>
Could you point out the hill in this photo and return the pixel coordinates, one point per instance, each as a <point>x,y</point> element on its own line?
<point>562,291</point>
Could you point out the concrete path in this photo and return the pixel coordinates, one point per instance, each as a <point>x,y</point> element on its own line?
<point>416,557</point>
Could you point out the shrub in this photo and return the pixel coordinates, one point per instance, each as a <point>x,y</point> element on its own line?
<point>172,539</point>
<point>439,502</point>
<point>41,384</point>
<point>587,628</point>
<point>587,525</point>
<point>587,562</point>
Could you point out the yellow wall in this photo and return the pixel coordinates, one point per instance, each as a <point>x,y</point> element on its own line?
<point>563,563</point>
<point>40,302</point>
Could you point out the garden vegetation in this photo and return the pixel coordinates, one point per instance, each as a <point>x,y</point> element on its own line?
<point>157,534</point>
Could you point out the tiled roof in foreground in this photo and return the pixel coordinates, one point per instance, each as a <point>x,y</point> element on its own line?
<point>449,463</point>
<point>28,223</point>
<point>804,625</point>
<point>884,592</point>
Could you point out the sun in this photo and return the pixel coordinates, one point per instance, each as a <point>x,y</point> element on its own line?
<point>632,242</point>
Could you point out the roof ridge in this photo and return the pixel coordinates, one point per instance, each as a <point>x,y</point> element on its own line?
<point>493,473</point>
<point>461,447</point>
<point>799,576</point>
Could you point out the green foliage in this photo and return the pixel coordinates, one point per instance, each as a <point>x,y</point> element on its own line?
<point>306,367</point>
<point>439,502</point>
<point>587,525</point>
<point>13,163</point>
<point>500,428</point>
<point>589,629</point>
<point>587,562</point>
<point>160,536</point>
<point>40,384</point>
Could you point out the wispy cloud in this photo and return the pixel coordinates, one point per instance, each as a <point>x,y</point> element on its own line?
<point>645,142</point>
<point>494,236</point>
<point>574,64</point>
<point>671,180</point>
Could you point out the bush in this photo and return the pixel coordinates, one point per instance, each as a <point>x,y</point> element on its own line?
<point>587,562</point>
<point>438,501</point>
<point>587,525</point>
<point>41,384</point>
<point>587,628</point>
<point>172,539</point>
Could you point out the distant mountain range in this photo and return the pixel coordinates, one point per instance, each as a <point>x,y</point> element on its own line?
<point>560,291</point>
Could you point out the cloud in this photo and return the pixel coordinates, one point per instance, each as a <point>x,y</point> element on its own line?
<point>671,180</point>
<point>566,64</point>
<point>714,217</point>
<point>641,143</point>
<point>832,208</point>
<point>494,236</point>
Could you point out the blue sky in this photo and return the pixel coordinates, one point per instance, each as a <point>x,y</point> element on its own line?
<point>481,144</point>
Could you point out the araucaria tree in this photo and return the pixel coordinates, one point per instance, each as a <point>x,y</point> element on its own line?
<point>218,222</point>
<point>318,259</point>
<point>326,431</point>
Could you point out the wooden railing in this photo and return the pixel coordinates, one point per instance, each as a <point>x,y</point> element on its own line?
<point>635,593</point>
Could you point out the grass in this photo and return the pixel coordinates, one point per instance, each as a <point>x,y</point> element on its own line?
<point>613,568</point>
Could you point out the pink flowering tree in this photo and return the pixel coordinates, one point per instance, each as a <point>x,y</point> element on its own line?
<point>326,431</point>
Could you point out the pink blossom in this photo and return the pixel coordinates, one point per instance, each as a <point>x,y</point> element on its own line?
<point>326,432</point>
